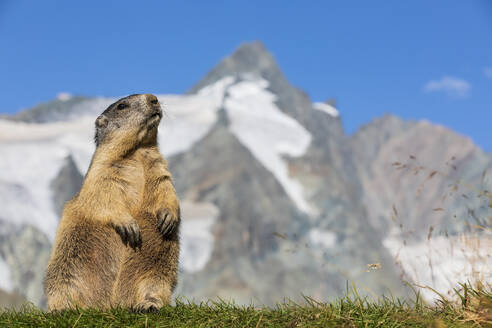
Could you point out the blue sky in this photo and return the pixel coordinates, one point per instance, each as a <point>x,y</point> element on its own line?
<point>416,59</point>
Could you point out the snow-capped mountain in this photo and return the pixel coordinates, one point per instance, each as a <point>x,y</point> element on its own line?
<point>277,201</point>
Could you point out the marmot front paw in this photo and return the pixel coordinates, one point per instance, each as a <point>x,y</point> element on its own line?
<point>166,222</point>
<point>130,234</point>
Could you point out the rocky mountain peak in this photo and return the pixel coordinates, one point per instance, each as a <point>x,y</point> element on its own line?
<point>252,61</point>
<point>249,59</point>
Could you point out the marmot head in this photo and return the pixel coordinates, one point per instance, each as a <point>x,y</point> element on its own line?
<point>131,119</point>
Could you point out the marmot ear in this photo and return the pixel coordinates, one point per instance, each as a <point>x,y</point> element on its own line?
<point>102,121</point>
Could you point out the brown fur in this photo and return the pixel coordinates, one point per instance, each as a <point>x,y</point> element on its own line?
<point>127,198</point>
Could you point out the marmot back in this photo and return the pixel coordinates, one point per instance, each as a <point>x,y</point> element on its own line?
<point>127,199</point>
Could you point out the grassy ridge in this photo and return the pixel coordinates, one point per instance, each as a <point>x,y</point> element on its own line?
<point>474,310</point>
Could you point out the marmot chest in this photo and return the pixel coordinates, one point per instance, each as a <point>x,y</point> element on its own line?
<point>130,175</point>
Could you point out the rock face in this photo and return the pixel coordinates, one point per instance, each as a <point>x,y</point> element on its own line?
<point>277,201</point>
<point>428,188</point>
<point>259,208</point>
<point>66,184</point>
<point>26,251</point>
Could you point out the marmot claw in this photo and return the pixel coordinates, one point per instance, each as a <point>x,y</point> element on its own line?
<point>130,234</point>
<point>166,222</point>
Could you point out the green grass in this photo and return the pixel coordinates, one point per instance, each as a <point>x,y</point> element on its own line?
<point>474,310</point>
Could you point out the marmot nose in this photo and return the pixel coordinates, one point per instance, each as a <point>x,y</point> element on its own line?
<point>152,99</point>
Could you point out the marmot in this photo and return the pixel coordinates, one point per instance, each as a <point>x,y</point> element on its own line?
<point>117,243</point>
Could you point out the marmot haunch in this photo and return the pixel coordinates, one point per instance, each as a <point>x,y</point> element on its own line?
<point>117,243</point>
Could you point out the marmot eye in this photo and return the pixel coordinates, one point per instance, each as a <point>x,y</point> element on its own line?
<point>122,106</point>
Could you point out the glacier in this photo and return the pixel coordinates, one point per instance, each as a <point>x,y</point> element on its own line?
<point>268,133</point>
